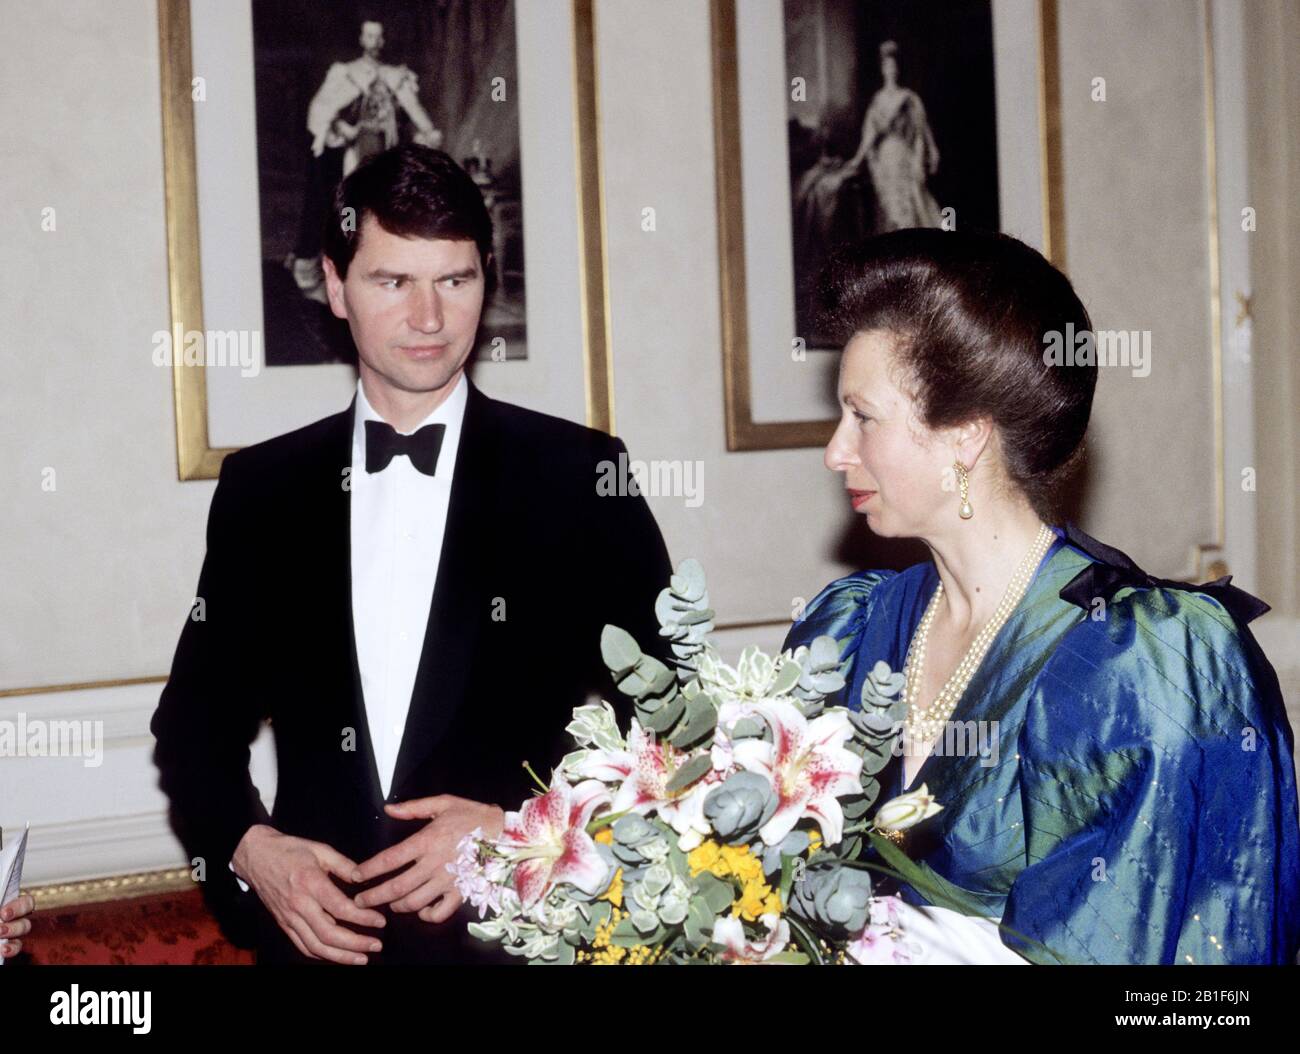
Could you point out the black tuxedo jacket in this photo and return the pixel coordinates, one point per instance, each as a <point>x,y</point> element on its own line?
<point>534,563</point>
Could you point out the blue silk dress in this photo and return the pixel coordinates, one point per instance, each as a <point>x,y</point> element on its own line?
<point>1134,797</point>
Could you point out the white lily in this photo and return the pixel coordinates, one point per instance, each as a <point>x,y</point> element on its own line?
<point>809,767</point>
<point>739,950</point>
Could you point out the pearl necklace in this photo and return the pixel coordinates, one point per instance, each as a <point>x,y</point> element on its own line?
<point>925,724</point>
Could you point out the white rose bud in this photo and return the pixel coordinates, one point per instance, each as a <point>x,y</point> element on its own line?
<point>906,811</point>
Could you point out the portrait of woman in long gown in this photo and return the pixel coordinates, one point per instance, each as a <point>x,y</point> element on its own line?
<point>891,122</point>
<point>1137,803</point>
<point>898,151</point>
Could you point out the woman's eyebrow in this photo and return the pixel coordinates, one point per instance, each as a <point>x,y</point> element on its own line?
<point>853,398</point>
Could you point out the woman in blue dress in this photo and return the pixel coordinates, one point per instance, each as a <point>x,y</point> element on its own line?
<point>1110,750</point>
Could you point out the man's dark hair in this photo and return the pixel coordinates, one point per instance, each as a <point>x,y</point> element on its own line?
<point>411,191</point>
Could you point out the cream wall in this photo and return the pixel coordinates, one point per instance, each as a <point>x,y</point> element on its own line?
<point>1272,98</point>
<point>98,573</point>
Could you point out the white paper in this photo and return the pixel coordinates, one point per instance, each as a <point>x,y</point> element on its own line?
<point>11,872</point>
<point>904,934</point>
<point>949,938</point>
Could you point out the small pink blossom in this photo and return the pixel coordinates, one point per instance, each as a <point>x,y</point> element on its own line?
<point>881,941</point>
<point>478,874</point>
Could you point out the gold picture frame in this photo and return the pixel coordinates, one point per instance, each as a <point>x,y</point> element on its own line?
<point>196,458</point>
<point>743,432</point>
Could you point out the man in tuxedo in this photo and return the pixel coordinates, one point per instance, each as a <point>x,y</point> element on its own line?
<point>411,591</point>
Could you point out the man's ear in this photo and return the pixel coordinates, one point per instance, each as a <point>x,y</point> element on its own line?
<point>334,286</point>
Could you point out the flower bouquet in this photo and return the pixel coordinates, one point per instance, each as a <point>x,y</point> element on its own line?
<point>725,827</point>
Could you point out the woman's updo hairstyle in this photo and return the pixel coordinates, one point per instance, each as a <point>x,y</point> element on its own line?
<point>971,313</point>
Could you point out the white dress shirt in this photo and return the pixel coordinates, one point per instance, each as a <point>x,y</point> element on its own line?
<point>398,518</point>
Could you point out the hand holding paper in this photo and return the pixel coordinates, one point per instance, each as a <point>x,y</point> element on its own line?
<point>11,875</point>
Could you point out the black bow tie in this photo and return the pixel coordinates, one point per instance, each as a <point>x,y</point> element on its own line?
<point>383,443</point>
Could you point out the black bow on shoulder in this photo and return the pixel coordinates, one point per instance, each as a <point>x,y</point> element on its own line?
<point>1114,570</point>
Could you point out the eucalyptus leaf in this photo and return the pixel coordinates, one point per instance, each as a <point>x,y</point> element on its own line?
<point>665,717</point>
<point>698,924</point>
<point>825,652</point>
<point>689,582</point>
<point>636,684</point>
<point>788,959</point>
<point>701,720</point>
<point>827,683</point>
<point>689,773</point>
<point>870,787</point>
<point>787,677</point>
<point>619,649</point>
<point>666,611</point>
<point>747,728</point>
<point>661,678</point>
<point>873,762</point>
<point>855,808</point>
<point>717,893</point>
<point>810,708</point>
<point>874,722</point>
<point>626,935</point>
<point>651,704</point>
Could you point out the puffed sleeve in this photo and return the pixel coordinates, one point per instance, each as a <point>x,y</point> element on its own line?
<point>335,92</point>
<point>1158,793</point>
<point>841,611</point>
<point>401,80</point>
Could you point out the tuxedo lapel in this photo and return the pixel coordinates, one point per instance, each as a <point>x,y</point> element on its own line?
<point>455,611</point>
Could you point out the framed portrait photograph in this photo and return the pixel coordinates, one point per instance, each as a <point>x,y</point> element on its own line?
<point>839,119</point>
<point>267,104</point>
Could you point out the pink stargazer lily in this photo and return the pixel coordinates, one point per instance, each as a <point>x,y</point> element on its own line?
<point>548,842</point>
<point>738,950</point>
<point>643,772</point>
<point>808,765</point>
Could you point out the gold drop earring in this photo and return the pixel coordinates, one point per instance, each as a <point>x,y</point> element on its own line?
<point>964,510</point>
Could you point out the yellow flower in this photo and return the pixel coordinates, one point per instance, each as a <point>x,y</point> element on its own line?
<point>814,841</point>
<point>605,836</point>
<point>757,899</point>
<point>603,953</point>
<point>742,863</point>
<point>610,956</point>
<point>707,857</point>
<point>614,894</point>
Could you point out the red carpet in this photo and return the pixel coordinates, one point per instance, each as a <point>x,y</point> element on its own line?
<point>165,929</point>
